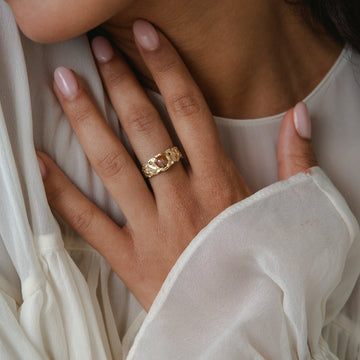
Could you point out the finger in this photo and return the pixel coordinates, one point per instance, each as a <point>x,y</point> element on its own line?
<point>139,118</point>
<point>295,152</point>
<point>185,103</point>
<point>82,215</point>
<point>105,152</point>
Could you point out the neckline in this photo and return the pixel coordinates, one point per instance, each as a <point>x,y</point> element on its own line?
<point>337,66</point>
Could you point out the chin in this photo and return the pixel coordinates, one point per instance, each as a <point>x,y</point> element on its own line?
<point>48,33</point>
<point>45,37</point>
<point>49,21</point>
<point>51,27</point>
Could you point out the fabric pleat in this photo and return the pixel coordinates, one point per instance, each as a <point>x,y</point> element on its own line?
<point>273,277</point>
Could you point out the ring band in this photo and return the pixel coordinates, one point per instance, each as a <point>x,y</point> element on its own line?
<point>161,162</point>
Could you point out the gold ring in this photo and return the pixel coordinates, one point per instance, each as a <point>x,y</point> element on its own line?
<point>161,162</point>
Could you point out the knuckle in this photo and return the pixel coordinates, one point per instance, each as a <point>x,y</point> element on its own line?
<point>82,114</point>
<point>224,188</point>
<point>82,221</point>
<point>228,196</point>
<point>310,154</point>
<point>185,105</point>
<point>303,160</point>
<point>55,194</point>
<point>143,121</point>
<point>297,164</point>
<point>114,78</point>
<point>221,191</point>
<point>112,164</point>
<point>166,66</point>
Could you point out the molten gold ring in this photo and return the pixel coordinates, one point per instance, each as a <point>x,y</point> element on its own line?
<point>161,162</point>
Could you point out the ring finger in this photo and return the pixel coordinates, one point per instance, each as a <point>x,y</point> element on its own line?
<point>105,152</point>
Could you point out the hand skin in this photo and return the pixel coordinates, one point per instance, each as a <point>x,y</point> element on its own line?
<point>161,222</point>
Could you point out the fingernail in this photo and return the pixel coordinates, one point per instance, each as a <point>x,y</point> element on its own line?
<point>146,35</point>
<point>302,120</point>
<point>102,49</point>
<point>66,82</point>
<point>42,167</point>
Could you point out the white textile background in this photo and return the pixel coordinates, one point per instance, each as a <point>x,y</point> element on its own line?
<point>271,277</point>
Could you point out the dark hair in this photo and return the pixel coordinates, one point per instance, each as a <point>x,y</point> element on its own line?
<point>340,18</point>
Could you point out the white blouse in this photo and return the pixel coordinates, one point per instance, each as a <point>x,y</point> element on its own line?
<point>272,277</point>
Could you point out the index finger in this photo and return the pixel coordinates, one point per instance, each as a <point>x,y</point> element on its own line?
<point>184,101</point>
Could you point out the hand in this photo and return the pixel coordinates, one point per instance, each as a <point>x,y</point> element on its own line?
<point>161,221</point>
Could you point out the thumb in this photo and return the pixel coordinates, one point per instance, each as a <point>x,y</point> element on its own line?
<point>295,152</point>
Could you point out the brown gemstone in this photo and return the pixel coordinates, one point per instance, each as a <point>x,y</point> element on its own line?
<point>161,161</point>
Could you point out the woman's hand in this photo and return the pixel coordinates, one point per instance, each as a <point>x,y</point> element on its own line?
<point>161,220</point>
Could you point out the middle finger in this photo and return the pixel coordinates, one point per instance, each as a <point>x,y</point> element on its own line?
<point>138,116</point>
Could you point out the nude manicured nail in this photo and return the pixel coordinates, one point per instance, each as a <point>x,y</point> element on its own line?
<point>66,82</point>
<point>146,35</point>
<point>102,49</point>
<point>302,121</point>
<point>42,167</point>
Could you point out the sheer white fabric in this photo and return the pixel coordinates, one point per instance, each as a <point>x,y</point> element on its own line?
<point>272,277</point>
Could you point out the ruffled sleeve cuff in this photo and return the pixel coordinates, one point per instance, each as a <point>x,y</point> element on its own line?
<point>260,281</point>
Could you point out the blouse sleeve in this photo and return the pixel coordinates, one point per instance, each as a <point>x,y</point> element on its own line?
<point>261,281</point>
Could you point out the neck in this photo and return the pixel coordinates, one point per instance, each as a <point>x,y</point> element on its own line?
<point>250,58</point>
